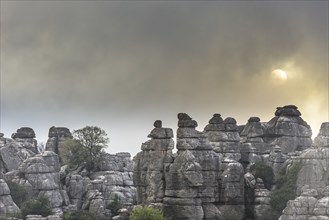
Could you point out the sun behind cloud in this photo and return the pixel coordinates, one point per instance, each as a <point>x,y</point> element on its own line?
<point>279,74</point>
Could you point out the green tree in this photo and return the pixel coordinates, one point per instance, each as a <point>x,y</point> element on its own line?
<point>38,206</point>
<point>146,213</point>
<point>265,172</point>
<point>86,148</point>
<point>286,188</point>
<point>18,193</point>
<point>115,206</point>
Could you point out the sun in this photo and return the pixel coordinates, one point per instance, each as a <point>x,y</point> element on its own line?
<point>279,74</point>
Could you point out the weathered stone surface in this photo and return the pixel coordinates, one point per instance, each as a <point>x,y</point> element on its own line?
<point>216,119</point>
<point>23,133</point>
<point>77,186</point>
<point>223,136</point>
<point>7,205</point>
<point>262,201</point>
<point>304,207</point>
<point>322,139</point>
<point>158,124</point>
<point>232,186</point>
<point>149,165</point>
<point>117,162</point>
<point>12,155</point>
<point>57,137</point>
<point>185,121</point>
<point>276,160</point>
<point>288,110</point>
<point>314,171</point>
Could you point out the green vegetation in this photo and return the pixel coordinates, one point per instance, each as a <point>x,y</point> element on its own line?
<point>286,188</point>
<point>87,148</point>
<point>115,206</point>
<point>265,172</point>
<point>17,192</point>
<point>146,213</point>
<point>38,206</point>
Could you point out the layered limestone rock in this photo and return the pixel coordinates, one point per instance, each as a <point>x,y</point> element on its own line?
<point>196,166</point>
<point>7,205</point>
<point>223,136</point>
<point>25,137</point>
<point>288,130</point>
<point>97,192</point>
<point>232,188</point>
<point>150,164</point>
<point>262,201</point>
<point>116,182</point>
<point>307,206</point>
<point>76,187</point>
<point>56,138</point>
<point>322,139</point>
<point>276,160</point>
<point>253,147</point>
<point>183,180</point>
<point>40,176</point>
<point>314,171</point>
<point>14,151</point>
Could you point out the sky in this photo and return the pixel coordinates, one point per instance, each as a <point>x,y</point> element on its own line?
<point>121,65</point>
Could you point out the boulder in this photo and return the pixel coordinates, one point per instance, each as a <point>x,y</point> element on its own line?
<point>23,133</point>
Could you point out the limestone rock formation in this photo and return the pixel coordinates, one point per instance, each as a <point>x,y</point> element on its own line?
<point>25,137</point>
<point>322,139</point>
<point>23,133</point>
<point>150,163</point>
<point>97,192</point>
<point>40,176</point>
<point>262,201</point>
<point>223,136</point>
<point>314,171</point>
<point>197,166</point>
<point>7,205</point>
<point>306,206</point>
<point>12,154</point>
<point>288,130</point>
<point>276,160</point>
<point>14,151</point>
<point>232,188</point>
<point>56,137</point>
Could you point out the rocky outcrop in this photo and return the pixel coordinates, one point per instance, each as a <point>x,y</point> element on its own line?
<point>14,151</point>
<point>276,160</point>
<point>192,188</point>
<point>223,136</point>
<point>40,176</point>
<point>314,171</point>
<point>56,138</point>
<point>25,138</point>
<point>150,164</point>
<point>288,130</point>
<point>309,205</point>
<point>7,205</point>
<point>262,201</point>
<point>322,139</point>
<point>97,192</point>
<point>253,146</point>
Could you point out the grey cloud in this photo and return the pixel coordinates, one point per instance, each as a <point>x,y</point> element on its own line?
<point>158,58</point>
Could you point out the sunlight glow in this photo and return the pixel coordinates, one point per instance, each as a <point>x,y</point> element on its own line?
<point>279,74</point>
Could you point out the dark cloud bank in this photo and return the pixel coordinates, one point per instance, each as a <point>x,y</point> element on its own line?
<point>122,65</point>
